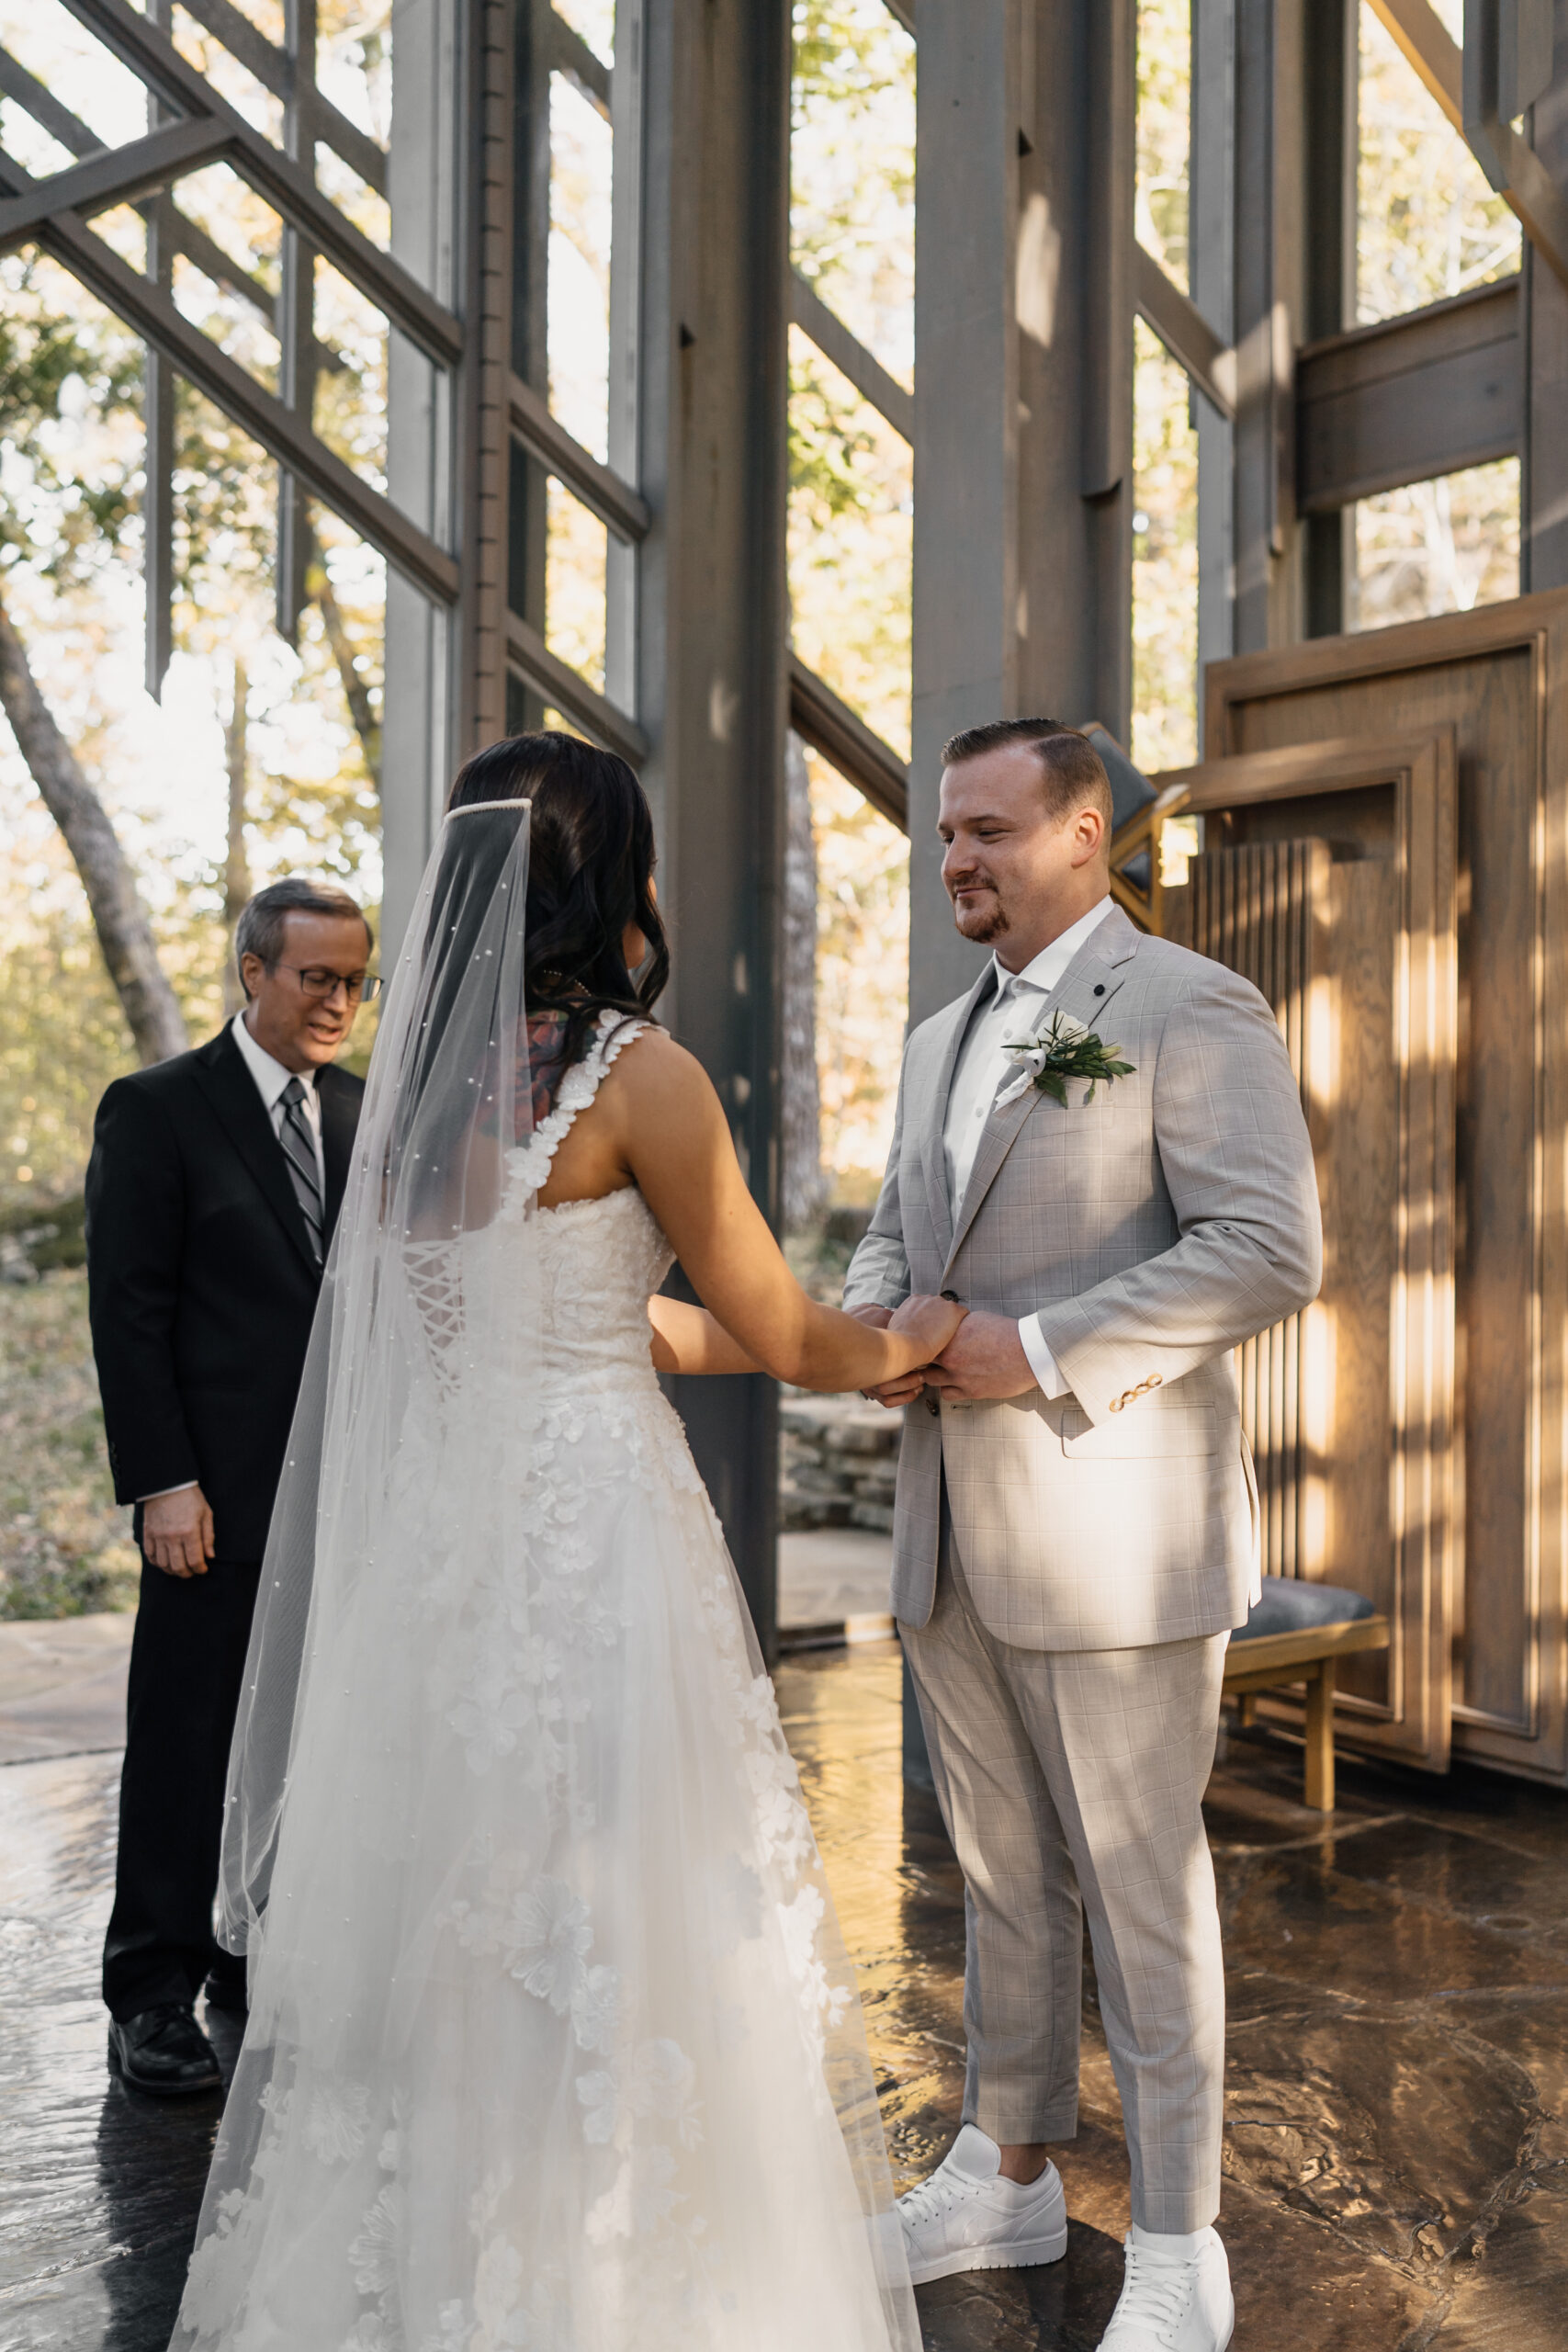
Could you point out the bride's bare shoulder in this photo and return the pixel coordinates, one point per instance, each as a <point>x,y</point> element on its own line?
<point>652,1067</point>
<point>653,1106</point>
<point>661,1103</point>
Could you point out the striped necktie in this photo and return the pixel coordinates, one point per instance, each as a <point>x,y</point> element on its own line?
<point>300,1151</point>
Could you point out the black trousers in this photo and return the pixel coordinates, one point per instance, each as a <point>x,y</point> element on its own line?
<point>188,1661</point>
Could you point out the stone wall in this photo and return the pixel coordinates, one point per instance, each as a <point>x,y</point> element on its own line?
<point>838,1462</point>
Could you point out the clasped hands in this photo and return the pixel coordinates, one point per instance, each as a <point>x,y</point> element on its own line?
<point>985,1357</point>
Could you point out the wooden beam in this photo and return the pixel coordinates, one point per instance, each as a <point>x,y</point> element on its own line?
<point>114,175</point>
<point>1185,333</point>
<point>846,743</point>
<point>46,109</point>
<point>153,57</point>
<point>150,313</point>
<point>274,68</point>
<point>850,357</point>
<point>1410,399</point>
<point>615,502</point>
<point>1319,1729</point>
<point>711,357</point>
<point>180,232</point>
<point>1418,30</point>
<point>1286,1657</point>
<point>578,63</point>
<point>1521,179</point>
<point>570,692</point>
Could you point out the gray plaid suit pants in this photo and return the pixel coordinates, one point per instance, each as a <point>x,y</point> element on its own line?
<point>1072,1781</point>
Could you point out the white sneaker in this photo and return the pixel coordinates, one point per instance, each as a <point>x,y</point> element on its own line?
<point>1174,2297</point>
<point>966,2218</point>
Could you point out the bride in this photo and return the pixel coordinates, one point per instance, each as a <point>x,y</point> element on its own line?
<point>552,2044</point>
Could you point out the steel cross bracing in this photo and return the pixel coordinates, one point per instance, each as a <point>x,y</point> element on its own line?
<point>200,127</point>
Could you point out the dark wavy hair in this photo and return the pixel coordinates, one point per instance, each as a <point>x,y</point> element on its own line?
<point>590,861</point>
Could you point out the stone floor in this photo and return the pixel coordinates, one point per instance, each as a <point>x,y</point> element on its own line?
<point>1396,2143</point>
<point>62,1685</point>
<point>830,1579</point>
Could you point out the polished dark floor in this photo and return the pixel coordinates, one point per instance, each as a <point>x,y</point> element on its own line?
<point>1397,2127</point>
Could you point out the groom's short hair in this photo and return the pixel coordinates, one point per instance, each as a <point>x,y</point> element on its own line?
<point>1071,769</point>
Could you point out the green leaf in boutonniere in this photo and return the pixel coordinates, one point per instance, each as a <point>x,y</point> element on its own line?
<point>1066,1050</point>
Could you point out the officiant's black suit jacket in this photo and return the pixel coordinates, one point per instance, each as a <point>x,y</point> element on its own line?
<point>201,1281</point>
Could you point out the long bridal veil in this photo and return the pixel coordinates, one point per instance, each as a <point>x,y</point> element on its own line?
<point>553,2045</point>
<point>405,1363</point>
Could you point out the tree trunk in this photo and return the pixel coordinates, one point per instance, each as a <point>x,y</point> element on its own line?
<point>804,1187</point>
<point>236,867</point>
<point>355,692</point>
<point>119,916</point>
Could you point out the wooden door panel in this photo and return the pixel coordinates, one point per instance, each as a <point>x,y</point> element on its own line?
<point>1350,933</point>
<point>1499,678</point>
<point>1263,910</point>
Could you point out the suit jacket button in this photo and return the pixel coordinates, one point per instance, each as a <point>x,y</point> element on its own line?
<point>932,1405</point>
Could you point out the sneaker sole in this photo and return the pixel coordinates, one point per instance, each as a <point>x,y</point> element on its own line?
<point>1027,2254</point>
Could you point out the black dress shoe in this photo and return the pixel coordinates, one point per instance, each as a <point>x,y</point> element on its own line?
<point>164,2050</point>
<point>226,1992</point>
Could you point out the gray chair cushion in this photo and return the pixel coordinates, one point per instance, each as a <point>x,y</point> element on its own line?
<point>1292,1605</point>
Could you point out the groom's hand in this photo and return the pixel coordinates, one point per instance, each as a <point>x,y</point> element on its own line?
<point>892,1392</point>
<point>984,1358</point>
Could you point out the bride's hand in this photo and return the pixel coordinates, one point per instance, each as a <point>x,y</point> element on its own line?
<point>929,1322</point>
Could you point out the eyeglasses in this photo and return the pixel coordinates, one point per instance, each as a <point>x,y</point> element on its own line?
<point>359,988</point>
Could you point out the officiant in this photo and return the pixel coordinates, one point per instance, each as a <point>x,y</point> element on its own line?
<point>214,1184</point>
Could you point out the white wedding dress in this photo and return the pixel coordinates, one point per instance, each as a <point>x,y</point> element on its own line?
<point>553,2047</point>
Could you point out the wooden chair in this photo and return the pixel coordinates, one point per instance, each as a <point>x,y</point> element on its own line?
<point>1300,1638</point>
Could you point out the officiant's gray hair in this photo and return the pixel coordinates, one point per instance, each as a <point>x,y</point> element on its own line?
<point>1072,770</point>
<point>261,927</point>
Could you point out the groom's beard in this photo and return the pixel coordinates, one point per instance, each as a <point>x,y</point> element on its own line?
<point>983,919</point>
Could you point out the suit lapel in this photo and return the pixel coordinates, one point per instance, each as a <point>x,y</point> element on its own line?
<point>934,1153</point>
<point>232,1092</point>
<point>1084,992</point>
<point>340,1118</point>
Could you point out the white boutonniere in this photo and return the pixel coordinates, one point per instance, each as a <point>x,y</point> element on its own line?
<point>1065,1049</point>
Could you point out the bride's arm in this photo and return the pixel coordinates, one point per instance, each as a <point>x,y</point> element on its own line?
<point>686,1338</point>
<point>673,1136</point>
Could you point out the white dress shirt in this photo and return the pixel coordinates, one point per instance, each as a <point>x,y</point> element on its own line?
<point>1017,1010</point>
<point>271,1077</point>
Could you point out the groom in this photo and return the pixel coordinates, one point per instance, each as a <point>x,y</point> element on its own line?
<point>1074,1536</point>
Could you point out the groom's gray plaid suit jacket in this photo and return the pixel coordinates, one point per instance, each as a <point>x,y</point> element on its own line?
<point>1153,1229</point>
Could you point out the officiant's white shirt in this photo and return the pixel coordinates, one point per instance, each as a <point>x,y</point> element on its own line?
<point>1019,1009</point>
